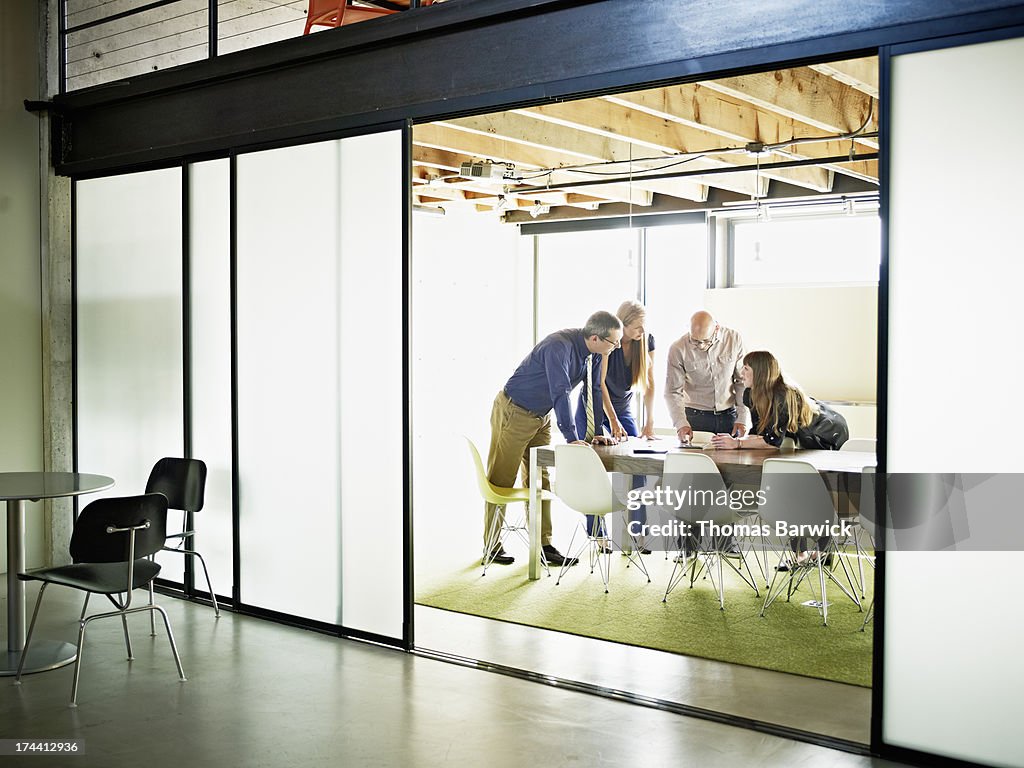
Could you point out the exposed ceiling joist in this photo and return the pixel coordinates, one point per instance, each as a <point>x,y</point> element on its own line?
<point>658,134</point>
<point>587,143</point>
<point>735,120</point>
<point>861,74</point>
<point>528,159</point>
<point>806,96</point>
<point>804,120</point>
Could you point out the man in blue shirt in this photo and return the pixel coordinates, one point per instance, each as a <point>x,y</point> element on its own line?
<point>521,416</point>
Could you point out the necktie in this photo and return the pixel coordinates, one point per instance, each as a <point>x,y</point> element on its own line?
<point>590,399</point>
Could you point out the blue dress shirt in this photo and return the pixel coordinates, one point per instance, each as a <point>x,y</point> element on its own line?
<point>546,377</point>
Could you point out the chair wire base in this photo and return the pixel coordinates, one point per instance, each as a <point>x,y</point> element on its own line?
<point>599,550</point>
<point>800,571</point>
<point>123,610</point>
<point>500,529</point>
<point>709,560</point>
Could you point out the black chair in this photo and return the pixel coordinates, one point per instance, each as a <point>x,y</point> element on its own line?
<point>110,544</point>
<point>183,482</point>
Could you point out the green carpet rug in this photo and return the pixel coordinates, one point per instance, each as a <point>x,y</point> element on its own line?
<point>790,638</point>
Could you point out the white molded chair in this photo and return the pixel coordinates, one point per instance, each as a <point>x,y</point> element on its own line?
<point>867,444</point>
<point>794,493</point>
<point>582,483</point>
<point>698,474</point>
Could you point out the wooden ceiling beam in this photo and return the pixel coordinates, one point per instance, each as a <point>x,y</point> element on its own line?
<point>530,158</point>
<point>804,95</point>
<point>736,120</point>
<point>861,74</point>
<point>424,183</point>
<point>660,135</point>
<point>432,157</point>
<point>573,135</point>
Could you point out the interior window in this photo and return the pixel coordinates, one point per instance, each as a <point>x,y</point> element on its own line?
<point>803,249</point>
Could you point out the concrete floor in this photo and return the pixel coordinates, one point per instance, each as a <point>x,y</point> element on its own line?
<point>803,703</point>
<point>260,694</point>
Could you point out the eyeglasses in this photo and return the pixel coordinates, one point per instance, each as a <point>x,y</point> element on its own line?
<point>705,343</point>
<point>615,344</point>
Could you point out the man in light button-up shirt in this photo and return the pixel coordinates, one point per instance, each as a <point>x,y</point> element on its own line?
<point>704,386</point>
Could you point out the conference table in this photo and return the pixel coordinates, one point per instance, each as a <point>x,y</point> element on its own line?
<point>16,488</point>
<point>742,467</point>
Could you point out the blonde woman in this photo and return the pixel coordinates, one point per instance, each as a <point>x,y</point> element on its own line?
<point>628,367</point>
<point>779,410</point>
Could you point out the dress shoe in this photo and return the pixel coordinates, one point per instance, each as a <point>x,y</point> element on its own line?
<point>554,557</point>
<point>640,547</point>
<point>499,556</point>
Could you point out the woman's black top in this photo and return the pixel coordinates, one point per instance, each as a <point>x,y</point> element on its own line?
<point>828,431</point>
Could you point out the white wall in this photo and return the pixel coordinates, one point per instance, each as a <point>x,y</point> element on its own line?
<point>21,405</point>
<point>825,337</point>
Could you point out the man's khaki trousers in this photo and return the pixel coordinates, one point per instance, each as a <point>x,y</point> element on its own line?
<point>514,431</point>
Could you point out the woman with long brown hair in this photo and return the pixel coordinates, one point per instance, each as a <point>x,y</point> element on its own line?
<point>780,409</point>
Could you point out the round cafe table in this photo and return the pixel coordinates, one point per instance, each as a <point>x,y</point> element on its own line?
<point>16,488</point>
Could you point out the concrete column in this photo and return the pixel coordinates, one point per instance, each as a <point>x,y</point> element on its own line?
<point>55,266</point>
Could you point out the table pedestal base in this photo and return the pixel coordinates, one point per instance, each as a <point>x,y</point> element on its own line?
<point>43,655</point>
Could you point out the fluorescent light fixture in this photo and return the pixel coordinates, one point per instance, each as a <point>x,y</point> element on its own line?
<point>428,210</point>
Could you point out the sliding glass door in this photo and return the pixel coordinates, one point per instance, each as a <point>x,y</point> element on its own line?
<point>320,381</point>
<point>209,335</point>
<point>251,312</point>
<point>952,631</point>
<point>128,278</point>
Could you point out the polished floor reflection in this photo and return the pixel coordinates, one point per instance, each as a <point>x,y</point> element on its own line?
<point>803,703</point>
<point>260,694</point>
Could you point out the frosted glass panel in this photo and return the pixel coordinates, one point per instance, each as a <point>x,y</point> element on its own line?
<point>372,432</point>
<point>210,306</point>
<point>129,328</point>
<point>952,658</point>
<point>289,342</point>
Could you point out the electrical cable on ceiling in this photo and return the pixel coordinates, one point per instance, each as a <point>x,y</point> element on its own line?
<point>581,169</point>
<point>746,149</point>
